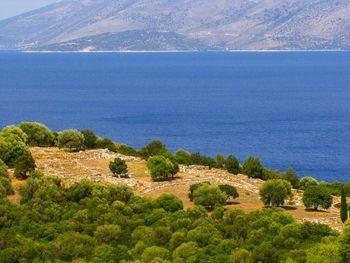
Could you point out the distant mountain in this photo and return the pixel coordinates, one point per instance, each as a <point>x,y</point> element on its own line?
<point>181,24</point>
<point>137,40</point>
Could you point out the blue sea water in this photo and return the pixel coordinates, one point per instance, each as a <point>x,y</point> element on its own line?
<point>290,109</point>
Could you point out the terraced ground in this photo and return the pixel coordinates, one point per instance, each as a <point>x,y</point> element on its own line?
<point>93,165</point>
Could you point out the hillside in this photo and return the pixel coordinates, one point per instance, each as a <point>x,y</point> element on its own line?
<point>183,24</point>
<point>93,165</point>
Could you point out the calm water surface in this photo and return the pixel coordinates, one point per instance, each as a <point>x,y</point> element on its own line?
<point>291,109</point>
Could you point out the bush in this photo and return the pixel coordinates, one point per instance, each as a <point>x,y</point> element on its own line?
<point>220,160</point>
<point>24,165</point>
<point>38,134</point>
<point>169,202</point>
<point>161,168</point>
<point>274,192</point>
<point>232,165</point>
<point>155,148</point>
<point>118,167</point>
<point>16,131</point>
<point>209,196</point>
<point>194,187</point>
<point>291,176</point>
<point>6,184</point>
<point>105,143</point>
<point>71,139</point>
<point>229,190</point>
<point>315,196</point>
<point>126,150</point>
<point>253,168</point>
<point>3,170</point>
<point>183,157</point>
<point>90,139</point>
<point>307,181</point>
<point>11,148</point>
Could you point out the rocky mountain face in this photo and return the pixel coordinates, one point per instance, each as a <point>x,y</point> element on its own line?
<point>181,25</point>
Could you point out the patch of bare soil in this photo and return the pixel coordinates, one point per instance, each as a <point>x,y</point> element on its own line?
<point>93,165</point>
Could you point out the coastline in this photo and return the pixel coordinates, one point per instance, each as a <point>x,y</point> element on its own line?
<point>186,51</point>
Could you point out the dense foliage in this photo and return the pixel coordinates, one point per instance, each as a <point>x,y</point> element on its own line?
<point>71,140</point>
<point>315,196</point>
<point>91,223</point>
<point>274,192</point>
<point>118,167</point>
<point>161,168</point>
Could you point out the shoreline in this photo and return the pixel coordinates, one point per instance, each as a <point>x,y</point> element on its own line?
<point>188,51</point>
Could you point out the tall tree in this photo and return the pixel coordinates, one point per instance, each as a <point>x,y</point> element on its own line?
<point>343,206</point>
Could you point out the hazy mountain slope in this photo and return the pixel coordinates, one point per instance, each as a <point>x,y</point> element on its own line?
<point>139,40</point>
<point>230,24</point>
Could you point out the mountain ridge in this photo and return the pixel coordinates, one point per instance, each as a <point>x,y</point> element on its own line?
<point>223,24</point>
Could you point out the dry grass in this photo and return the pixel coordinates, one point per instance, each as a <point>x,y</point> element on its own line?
<point>74,166</point>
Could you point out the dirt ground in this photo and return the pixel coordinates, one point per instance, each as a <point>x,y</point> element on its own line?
<point>93,165</point>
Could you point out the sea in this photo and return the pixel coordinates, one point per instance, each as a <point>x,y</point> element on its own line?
<point>291,109</point>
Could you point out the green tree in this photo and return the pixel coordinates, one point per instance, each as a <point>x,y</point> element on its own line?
<point>307,181</point>
<point>154,252</point>
<point>170,202</point>
<point>16,131</point>
<point>105,143</point>
<point>24,165</point>
<point>126,150</point>
<point>107,233</point>
<point>344,245</point>
<point>38,134</point>
<point>160,168</point>
<point>220,160</point>
<point>291,176</point>
<point>229,190</point>
<point>323,253</point>
<point>274,192</point>
<point>253,168</point>
<point>155,148</point>
<point>90,139</point>
<point>232,165</point>
<point>209,196</point>
<point>183,157</point>
<point>71,139</point>
<point>241,256</point>
<point>194,187</point>
<point>3,169</point>
<point>6,184</point>
<point>343,206</point>
<point>315,196</point>
<point>186,252</point>
<point>118,167</point>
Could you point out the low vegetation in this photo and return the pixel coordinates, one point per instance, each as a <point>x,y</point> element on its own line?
<point>86,222</point>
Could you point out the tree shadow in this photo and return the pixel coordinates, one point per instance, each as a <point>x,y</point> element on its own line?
<point>311,210</point>
<point>288,208</point>
<point>232,203</point>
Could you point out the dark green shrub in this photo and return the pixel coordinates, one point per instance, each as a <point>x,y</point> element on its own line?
<point>118,167</point>
<point>38,134</point>
<point>72,140</point>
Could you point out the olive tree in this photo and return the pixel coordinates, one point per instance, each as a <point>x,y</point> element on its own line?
<point>209,196</point>
<point>24,165</point>
<point>315,196</point>
<point>253,168</point>
<point>307,181</point>
<point>161,168</point>
<point>232,165</point>
<point>37,134</point>
<point>274,192</point>
<point>16,131</point>
<point>3,170</point>
<point>118,167</point>
<point>229,190</point>
<point>70,139</point>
